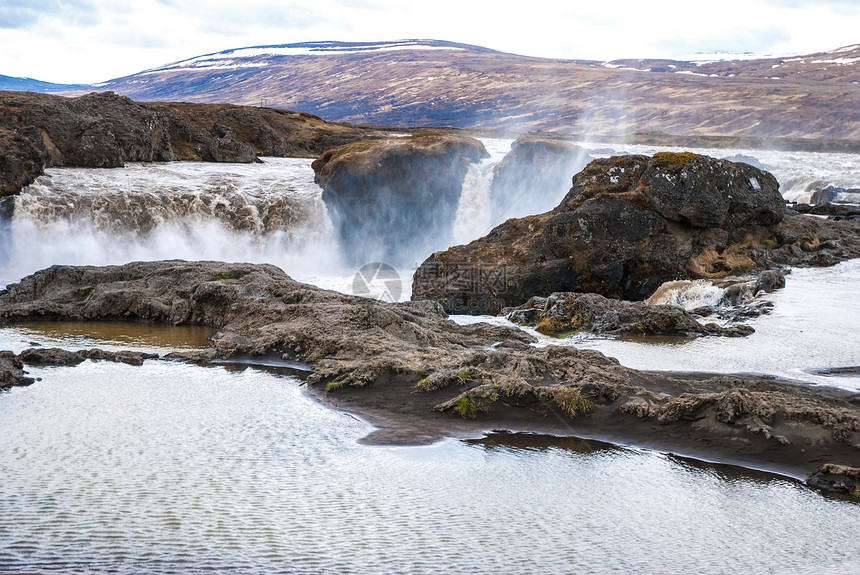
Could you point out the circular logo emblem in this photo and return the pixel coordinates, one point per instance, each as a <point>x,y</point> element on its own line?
<point>377,280</point>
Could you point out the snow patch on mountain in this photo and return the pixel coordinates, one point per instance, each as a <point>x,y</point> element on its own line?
<point>226,59</point>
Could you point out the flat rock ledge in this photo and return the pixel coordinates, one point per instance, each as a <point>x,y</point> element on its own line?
<point>12,372</point>
<point>405,366</point>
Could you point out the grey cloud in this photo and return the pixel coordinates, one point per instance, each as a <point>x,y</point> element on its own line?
<point>229,21</point>
<point>16,14</point>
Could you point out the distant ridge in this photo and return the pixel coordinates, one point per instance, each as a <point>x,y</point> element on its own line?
<point>437,83</point>
<point>11,83</point>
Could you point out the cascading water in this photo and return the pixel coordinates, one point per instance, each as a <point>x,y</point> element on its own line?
<point>473,213</point>
<point>273,212</point>
<point>688,294</point>
<point>269,212</point>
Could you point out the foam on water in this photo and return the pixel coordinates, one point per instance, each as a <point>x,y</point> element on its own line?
<point>687,294</point>
<point>259,213</point>
<point>808,330</point>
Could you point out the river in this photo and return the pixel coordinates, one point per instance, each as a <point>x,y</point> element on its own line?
<point>176,468</point>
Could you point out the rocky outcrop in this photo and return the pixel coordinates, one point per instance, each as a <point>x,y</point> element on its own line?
<point>12,372</point>
<point>54,356</point>
<point>835,211</point>
<point>408,361</point>
<point>629,224</point>
<point>104,130</point>
<point>832,194</point>
<point>837,478</point>
<point>563,314</point>
<point>391,199</point>
<point>533,177</point>
<point>22,159</point>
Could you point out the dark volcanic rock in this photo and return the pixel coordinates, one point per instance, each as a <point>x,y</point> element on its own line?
<point>391,199</point>
<point>104,130</point>
<point>22,159</point>
<point>836,478</point>
<point>533,177</point>
<point>832,194</point>
<point>409,359</point>
<point>55,356</point>
<point>12,371</point>
<point>51,356</point>
<point>564,313</point>
<point>835,211</point>
<point>97,130</point>
<point>629,224</point>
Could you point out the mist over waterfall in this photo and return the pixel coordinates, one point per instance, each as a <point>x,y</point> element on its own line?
<point>273,212</point>
<point>269,212</point>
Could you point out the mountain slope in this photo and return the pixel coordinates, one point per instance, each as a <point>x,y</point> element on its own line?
<point>13,84</point>
<point>425,82</point>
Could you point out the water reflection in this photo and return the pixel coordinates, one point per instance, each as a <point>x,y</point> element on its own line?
<point>176,468</point>
<point>511,441</point>
<point>85,334</point>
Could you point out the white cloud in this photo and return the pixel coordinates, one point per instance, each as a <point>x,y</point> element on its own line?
<point>95,40</point>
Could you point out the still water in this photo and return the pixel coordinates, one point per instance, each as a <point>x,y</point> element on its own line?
<point>174,468</point>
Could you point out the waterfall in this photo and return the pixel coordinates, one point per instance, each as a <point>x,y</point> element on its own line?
<point>253,213</point>
<point>474,211</point>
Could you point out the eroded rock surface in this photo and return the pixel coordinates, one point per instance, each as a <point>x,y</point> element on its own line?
<point>408,360</point>
<point>390,198</point>
<point>629,224</point>
<point>43,356</point>
<point>12,372</point>
<point>565,313</point>
<point>837,478</point>
<point>104,130</point>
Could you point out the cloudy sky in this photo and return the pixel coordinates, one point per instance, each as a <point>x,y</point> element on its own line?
<point>87,41</point>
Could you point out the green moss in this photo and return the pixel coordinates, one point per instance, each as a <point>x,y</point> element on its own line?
<point>676,158</point>
<point>769,244</point>
<point>424,383</point>
<point>558,327</point>
<point>641,327</point>
<point>856,493</point>
<point>573,404</point>
<point>467,407</point>
<point>226,276</point>
<point>337,383</point>
<point>464,376</point>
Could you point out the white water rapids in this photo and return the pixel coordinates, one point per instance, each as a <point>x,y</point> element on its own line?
<point>273,212</point>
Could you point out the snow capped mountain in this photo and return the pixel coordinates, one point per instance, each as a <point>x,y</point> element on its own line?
<point>434,83</point>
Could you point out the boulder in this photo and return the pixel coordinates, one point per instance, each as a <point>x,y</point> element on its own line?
<point>41,356</point>
<point>405,360</point>
<point>562,314</point>
<point>22,159</point>
<point>628,224</point>
<point>835,211</point>
<point>833,194</point>
<point>533,177</point>
<point>392,200</point>
<point>837,479</point>
<point>12,371</point>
